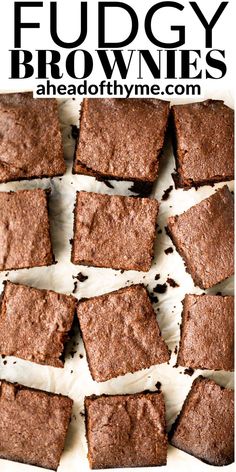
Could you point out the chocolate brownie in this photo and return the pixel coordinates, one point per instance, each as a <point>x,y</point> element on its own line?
<point>126,430</point>
<point>24,230</point>
<point>30,138</point>
<point>207,332</point>
<point>34,324</point>
<point>114,231</point>
<point>120,333</point>
<point>203,143</point>
<point>121,138</point>
<point>205,425</point>
<point>33,425</point>
<point>204,237</point>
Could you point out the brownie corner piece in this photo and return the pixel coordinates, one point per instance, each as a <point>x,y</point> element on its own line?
<point>126,316</point>
<point>24,230</point>
<point>207,332</point>
<point>43,317</point>
<point>197,233</point>
<point>35,422</point>
<point>203,143</point>
<point>114,231</point>
<point>31,141</point>
<point>126,430</point>
<point>121,138</point>
<point>205,425</point>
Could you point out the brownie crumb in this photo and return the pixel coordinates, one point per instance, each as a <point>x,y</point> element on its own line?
<point>14,362</point>
<point>218,293</point>
<point>143,189</point>
<point>74,131</point>
<point>166,230</point>
<point>157,276</point>
<point>122,271</point>
<point>158,386</point>
<point>166,193</point>
<point>189,371</point>
<point>71,241</point>
<point>71,371</point>
<point>108,183</point>
<point>75,287</point>
<point>4,362</point>
<point>159,231</point>
<point>82,413</point>
<point>81,356</point>
<point>72,353</point>
<point>153,298</point>
<point>3,356</point>
<point>172,282</point>
<point>160,288</point>
<point>175,349</point>
<point>80,277</point>
<point>169,250</point>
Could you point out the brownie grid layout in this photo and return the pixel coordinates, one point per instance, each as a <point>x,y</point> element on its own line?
<point>122,140</point>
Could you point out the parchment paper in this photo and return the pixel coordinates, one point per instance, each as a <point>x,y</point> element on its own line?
<point>75,380</point>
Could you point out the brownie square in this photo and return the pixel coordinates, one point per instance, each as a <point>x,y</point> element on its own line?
<point>203,143</point>
<point>31,142</point>
<point>114,231</point>
<point>121,138</point>
<point>121,333</point>
<point>204,237</point>
<point>205,425</point>
<point>24,230</point>
<point>33,425</point>
<point>207,332</point>
<point>126,430</point>
<point>34,324</point>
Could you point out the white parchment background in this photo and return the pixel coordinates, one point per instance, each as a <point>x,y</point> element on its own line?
<point>75,380</point>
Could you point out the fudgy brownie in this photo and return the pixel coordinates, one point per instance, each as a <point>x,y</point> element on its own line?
<point>204,237</point>
<point>24,230</point>
<point>31,142</point>
<point>33,425</point>
<point>203,142</point>
<point>34,324</point>
<point>126,430</point>
<point>121,138</point>
<point>205,425</point>
<point>207,332</point>
<point>121,333</point>
<point>114,231</point>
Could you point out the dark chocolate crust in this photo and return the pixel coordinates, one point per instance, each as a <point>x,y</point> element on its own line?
<point>207,332</point>
<point>121,138</point>
<point>42,317</point>
<point>205,425</point>
<point>204,237</point>
<point>33,425</point>
<point>31,141</point>
<point>126,317</point>
<point>126,430</point>
<point>114,231</point>
<point>203,138</point>
<point>24,230</point>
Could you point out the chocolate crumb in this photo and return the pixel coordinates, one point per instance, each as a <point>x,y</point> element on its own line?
<point>153,298</point>
<point>159,231</point>
<point>160,288</point>
<point>143,189</point>
<point>169,250</point>
<point>81,356</point>
<point>158,386</point>
<point>157,276</point>
<point>3,356</point>
<point>189,371</point>
<point>108,184</point>
<point>14,362</point>
<point>4,362</point>
<point>75,287</point>
<point>72,353</point>
<point>166,193</point>
<point>82,413</point>
<point>172,282</point>
<point>71,241</point>
<point>122,271</point>
<point>166,230</point>
<point>218,293</point>
<point>71,371</point>
<point>80,277</point>
<point>74,131</point>
<point>175,349</point>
